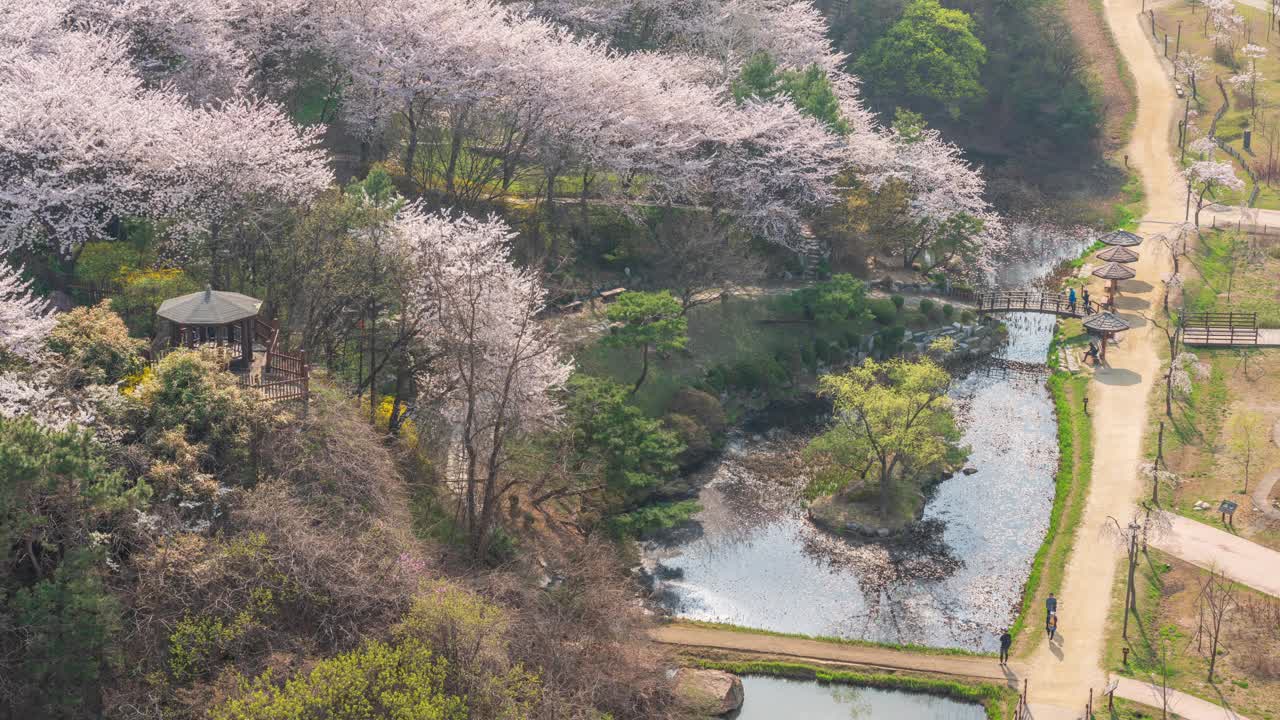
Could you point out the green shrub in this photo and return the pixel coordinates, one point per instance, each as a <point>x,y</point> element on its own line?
<point>890,338</point>
<point>141,293</point>
<point>404,680</point>
<point>653,518</point>
<point>966,316</point>
<point>898,301</point>
<point>916,320</point>
<point>191,393</point>
<point>884,311</point>
<point>701,407</point>
<point>948,310</point>
<point>103,264</point>
<point>840,299</point>
<point>96,343</point>
<point>927,306</point>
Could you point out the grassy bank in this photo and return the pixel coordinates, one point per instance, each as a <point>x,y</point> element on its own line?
<point>1165,625</point>
<point>998,701</point>
<point>921,649</point>
<point>1071,489</point>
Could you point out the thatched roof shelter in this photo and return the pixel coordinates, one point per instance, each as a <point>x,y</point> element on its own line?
<point>1117,254</point>
<point>1114,271</point>
<point>1120,238</point>
<point>1105,322</point>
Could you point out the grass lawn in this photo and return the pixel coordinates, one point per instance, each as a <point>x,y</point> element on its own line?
<point>1198,440</point>
<point>1231,272</point>
<point>1231,127</point>
<point>1247,676</point>
<point>1075,469</point>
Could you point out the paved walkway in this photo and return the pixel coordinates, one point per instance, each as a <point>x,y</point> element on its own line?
<point>1208,547</point>
<point>982,668</point>
<point>1186,706</point>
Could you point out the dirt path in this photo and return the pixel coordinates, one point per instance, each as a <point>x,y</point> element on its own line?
<point>1061,674</point>
<point>828,652</point>
<point>1186,706</point>
<point>1210,548</point>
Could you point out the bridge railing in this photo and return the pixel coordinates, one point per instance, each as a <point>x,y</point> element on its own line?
<point>1031,301</point>
<point>1220,328</point>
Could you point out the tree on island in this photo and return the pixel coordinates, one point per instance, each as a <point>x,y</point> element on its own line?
<point>649,321</point>
<point>892,419</point>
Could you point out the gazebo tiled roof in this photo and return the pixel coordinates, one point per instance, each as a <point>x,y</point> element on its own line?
<point>1121,238</point>
<point>1114,271</point>
<point>1105,322</point>
<point>209,307</point>
<point>1117,254</point>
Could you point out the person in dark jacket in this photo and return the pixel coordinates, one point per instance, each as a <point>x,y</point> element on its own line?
<point>1005,641</point>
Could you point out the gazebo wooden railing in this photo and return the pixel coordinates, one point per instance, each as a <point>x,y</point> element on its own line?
<point>284,376</point>
<point>1220,328</point>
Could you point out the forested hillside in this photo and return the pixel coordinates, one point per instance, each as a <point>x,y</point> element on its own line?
<point>430,514</point>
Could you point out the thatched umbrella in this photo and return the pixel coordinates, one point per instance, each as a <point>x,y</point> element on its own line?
<point>1106,324</point>
<point>1117,254</point>
<point>1120,238</point>
<point>1113,272</point>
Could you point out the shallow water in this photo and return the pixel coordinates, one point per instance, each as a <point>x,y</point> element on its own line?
<point>769,698</point>
<point>752,558</point>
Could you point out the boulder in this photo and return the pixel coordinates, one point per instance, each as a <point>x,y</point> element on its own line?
<point>709,692</point>
<point>969,470</point>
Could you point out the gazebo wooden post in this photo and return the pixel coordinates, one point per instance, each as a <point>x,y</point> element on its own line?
<point>246,341</point>
<point>1105,337</point>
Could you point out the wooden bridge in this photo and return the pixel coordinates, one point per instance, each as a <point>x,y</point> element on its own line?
<point>1221,329</point>
<point>1029,301</point>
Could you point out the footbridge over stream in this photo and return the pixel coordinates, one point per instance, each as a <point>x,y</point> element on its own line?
<point>1032,301</point>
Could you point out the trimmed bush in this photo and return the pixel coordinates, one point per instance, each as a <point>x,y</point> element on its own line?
<point>884,311</point>
<point>917,321</point>
<point>948,310</point>
<point>898,301</point>
<point>927,306</point>
<point>966,316</point>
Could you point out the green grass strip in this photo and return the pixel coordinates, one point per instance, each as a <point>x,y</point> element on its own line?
<point>993,698</point>
<point>1050,563</point>
<point>919,649</point>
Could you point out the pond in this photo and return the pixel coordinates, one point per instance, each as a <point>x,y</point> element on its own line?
<point>770,698</point>
<point>752,558</point>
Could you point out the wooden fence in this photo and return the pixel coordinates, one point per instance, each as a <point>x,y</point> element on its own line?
<point>1220,328</point>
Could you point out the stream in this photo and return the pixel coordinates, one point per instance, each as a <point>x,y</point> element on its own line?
<point>752,558</point>
<point>769,698</point>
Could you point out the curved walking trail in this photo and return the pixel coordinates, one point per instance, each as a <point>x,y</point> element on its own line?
<point>1212,549</point>
<point>820,651</point>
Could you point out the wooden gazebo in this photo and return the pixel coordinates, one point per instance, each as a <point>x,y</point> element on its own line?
<point>1105,324</point>
<point>1117,254</point>
<point>1121,238</point>
<point>1114,272</point>
<point>212,317</point>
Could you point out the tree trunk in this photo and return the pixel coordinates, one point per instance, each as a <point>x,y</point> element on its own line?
<point>455,149</point>
<point>644,369</point>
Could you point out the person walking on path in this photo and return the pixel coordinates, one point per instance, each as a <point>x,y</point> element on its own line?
<point>1051,604</point>
<point>1051,625</point>
<point>1084,295</point>
<point>1005,641</point>
<point>1071,299</point>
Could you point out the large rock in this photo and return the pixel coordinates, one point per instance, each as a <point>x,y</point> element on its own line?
<point>709,692</point>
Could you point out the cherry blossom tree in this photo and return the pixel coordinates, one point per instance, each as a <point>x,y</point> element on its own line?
<point>1250,77</point>
<point>1205,178</point>
<point>1183,371</point>
<point>237,159</point>
<point>1192,66</point>
<point>496,368</point>
<point>190,43</point>
<point>25,319</point>
<point>81,139</point>
<point>947,217</point>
